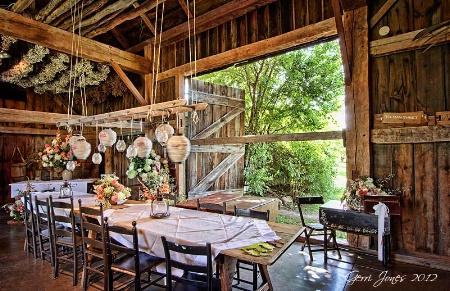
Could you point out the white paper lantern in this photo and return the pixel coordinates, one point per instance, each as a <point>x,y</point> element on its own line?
<point>97,158</point>
<point>81,149</point>
<point>101,148</point>
<point>74,138</point>
<point>121,146</point>
<point>143,146</point>
<point>131,151</point>
<point>163,132</point>
<point>178,148</point>
<point>107,137</point>
<point>71,165</point>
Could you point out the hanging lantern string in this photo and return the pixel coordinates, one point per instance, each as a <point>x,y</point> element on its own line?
<point>96,133</point>
<point>152,98</point>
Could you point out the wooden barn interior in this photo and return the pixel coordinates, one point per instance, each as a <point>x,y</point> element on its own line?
<point>396,59</point>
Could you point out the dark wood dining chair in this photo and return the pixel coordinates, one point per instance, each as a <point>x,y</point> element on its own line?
<point>67,243</point>
<point>30,225</point>
<point>243,264</point>
<point>212,207</point>
<point>44,229</point>
<point>194,275</point>
<point>123,261</point>
<point>315,229</point>
<point>93,245</point>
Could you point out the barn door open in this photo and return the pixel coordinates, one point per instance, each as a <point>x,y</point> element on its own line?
<point>216,167</point>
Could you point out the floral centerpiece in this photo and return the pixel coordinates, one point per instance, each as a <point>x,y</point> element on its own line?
<point>57,154</point>
<point>110,191</point>
<point>15,209</point>
<point>362,186</point>
<point>149,173</point>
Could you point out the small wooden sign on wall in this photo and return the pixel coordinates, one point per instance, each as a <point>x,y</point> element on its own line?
<point>410,118</point>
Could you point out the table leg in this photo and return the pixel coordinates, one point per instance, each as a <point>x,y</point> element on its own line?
<point>325,245</point>
<point>266,283</point>
<point>227,269</point>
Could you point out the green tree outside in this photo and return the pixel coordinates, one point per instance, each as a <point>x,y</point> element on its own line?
<point>291,93</point>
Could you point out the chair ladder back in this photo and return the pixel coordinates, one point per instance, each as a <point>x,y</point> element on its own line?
<point>43,227</point>
<point>115,246</point>
<point>60,217</point>
<point>307,200</point>
<point>191,250</point>
<point>30,224</point>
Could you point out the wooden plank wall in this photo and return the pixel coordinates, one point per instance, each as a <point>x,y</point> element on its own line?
<point>267,21</point>
<point>202,163</point>
<point>412,81</point>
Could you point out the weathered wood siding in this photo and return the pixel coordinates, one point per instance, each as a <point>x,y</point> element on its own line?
<point>265,22</point>
<point>412,81</point>
<point>203,162</point>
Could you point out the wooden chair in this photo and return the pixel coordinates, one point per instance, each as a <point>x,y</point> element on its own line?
<point>66,241</point>
<point>93,244</point>
<point>212,207</point>
<point>124,261</point>
<point>44,229</point>
<point>315,229</point>
<point>250,266</point>
<point>30,225</point>
<point>197,276</point>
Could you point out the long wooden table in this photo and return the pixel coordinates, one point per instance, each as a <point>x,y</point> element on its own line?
<point>247,202</point>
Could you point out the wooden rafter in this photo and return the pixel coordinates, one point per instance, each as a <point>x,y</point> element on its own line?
<point>146,20</point>
<point>66,6</point>
<point>342,42</point>
<point>401,43</point>
<point>26,29</point>
<point>308,136</point>
<point>311,33</point>
<point>120,38</point>
<point>206,21</point>
<point>21,5</point>
<point>385,8</point>
<point>66,24</point>
<point>25,116</point>
<point>116,6</point>
<point>44,12</point>
<point>150,4</point>
<point>185,8</point>
<point>128,83</point>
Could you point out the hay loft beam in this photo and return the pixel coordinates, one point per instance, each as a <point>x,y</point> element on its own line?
<point>26,29</point>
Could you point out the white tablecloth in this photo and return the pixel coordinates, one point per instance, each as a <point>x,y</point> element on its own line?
<point>189,226</point>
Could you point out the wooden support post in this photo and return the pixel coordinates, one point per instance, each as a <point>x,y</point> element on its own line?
<point>109,161</point>
<point>180,168</point>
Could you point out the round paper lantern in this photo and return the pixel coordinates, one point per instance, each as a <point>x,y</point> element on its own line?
<point>178,148</point>
<point>163,132</point>
<point>81,149</point>
<point>71,165</point>
<point>107,137</point>
<point>101,148</point>
<point>143,146</point>
<point>97,158</point>
<point>121,146</point>
<point>74,138</point>
<point>131,151</point>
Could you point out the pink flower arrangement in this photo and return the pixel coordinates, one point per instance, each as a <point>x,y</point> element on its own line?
<point>108,189</point>
<point>56,154</point>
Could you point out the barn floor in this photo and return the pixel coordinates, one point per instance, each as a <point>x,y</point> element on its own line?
<point>19,271</point>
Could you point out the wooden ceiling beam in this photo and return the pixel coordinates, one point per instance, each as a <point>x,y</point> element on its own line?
<point>213,18</point>
<point>385,8</point>
<point>35,117</point>
<point>114,7</point>
<point>120,38</point>
<point>402,43</point>
<point>21,5</point>
<point>150,4</point>
<point>185,8</point>
<point>29,30</point>
<point>323,30</point>
<point>342,42</point>
<point>28,131</point>
<point>128,83</point>
<point>92,8</point>
<point>146,19</point>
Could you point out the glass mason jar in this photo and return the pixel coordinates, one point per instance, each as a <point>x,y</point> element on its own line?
<point>159,207</point>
